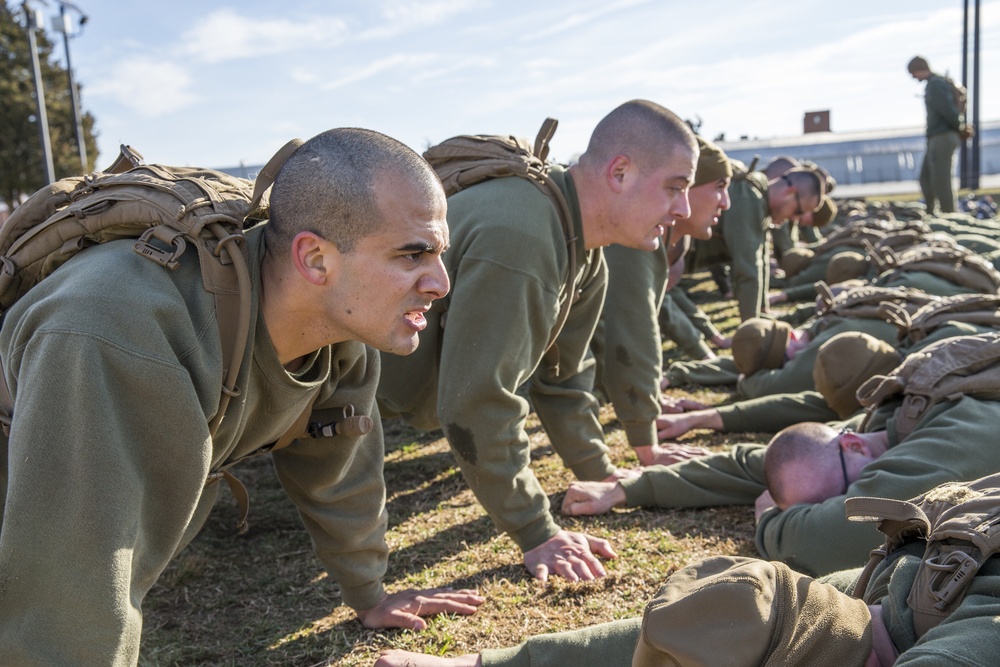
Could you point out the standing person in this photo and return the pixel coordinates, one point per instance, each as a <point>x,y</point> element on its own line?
<point>508,264</point>
<point>628,345</point>
<point>115,368</point>
<point>944,121</point>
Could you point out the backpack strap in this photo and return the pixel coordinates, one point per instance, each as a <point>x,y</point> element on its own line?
<point>545,132</point>
<point>126,159</point>
<point>233,302</point>
<point>269,172</point>
<point>897,519</point>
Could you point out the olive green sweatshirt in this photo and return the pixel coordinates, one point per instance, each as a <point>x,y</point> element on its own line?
<point>740,240</point>
<point>628,339</point>
<point>115,367</point>
<point>486,339</point>
<point>942,112</point>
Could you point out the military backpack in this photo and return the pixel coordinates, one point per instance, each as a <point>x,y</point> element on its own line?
<point>955,264</point>
<point>869,302</point>
<point>978,309</point>
<point>958,524</point>
<point>942,371</point>
<point>166,210</point>
<point>465,160</point>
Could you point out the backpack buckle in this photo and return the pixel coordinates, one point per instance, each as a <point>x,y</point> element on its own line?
<point>954,574</point>
<point>162,256</point>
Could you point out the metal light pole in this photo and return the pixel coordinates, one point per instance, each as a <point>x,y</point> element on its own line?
<point>963,150</point>
<point>62,24</point>
<point>31,23</point>
<point>974,176</point>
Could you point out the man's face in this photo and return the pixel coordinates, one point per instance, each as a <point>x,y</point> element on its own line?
<point>805,220</point>
<point>921,74</point>
<point>790,204</point>
<point>797,341</point>
<point>386,284</point>
<point>707,201</point>
<point>653,201</point>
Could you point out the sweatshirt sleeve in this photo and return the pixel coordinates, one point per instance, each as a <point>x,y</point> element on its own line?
<point>770,414</point>
<point>498,323</point>
<point>561,388</point>
<point>698,318</point>
<point>706,372</point>
<point>634,352</point>
<point>735,477</point>
<point>337,485</point>
<point>606,644</point>
<point>746,241</point>
<point>107,461</point>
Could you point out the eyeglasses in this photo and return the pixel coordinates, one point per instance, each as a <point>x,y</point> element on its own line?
<point>843,463</point>
<point>798,202</point>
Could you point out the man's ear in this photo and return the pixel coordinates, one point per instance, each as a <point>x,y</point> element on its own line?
<point>314,257</point>
<point>852,442</point>
<point>616,171</point>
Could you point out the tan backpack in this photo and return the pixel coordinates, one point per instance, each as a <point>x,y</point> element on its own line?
<point>852,235</point>
<point>869,302</point>
<point>885,250</point>
<point>955,264</point>
<point>166,209</point>
<point>943,371</point>
<point>979,309</point>
<point>959,526</point>
<point>465,160</point>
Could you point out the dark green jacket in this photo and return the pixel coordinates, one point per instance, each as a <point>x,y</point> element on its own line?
<point>942,112</point>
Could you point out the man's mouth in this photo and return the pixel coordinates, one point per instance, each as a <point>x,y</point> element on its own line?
<point>415,320</point>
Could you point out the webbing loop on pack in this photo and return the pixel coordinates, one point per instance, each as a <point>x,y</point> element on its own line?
<point>168,258</point>
<point>954,574</point>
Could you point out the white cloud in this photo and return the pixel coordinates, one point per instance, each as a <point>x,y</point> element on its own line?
<point>397,61</point>
<point>575,20</point>
<point>226,35</point>
<point>148,86</point>
<point>406,16</point>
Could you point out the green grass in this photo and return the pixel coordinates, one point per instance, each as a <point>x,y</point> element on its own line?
<point>263,598</point>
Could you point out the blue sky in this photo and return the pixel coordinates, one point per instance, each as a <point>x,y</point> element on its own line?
<point>214,83</point>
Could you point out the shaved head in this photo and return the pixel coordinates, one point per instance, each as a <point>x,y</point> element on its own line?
<point>647,133</point>
<point>328,187</point>
<point>802,465</point>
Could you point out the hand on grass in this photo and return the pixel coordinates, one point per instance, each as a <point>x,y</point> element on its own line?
<point>725,342</point>
<point>668,454</point>
<point>405,608</point>
<point>672,406</point>
<point>586,498</point>
<point>570,555</point>
<point>763,503</point>
<point>397,658</point>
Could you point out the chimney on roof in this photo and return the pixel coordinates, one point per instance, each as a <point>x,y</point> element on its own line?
<point>816,121</point>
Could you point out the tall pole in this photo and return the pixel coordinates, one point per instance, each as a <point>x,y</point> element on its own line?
<point>963,150</point>
<point>42,117</point>
<point>974,175</point>
<point>73,92</point>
